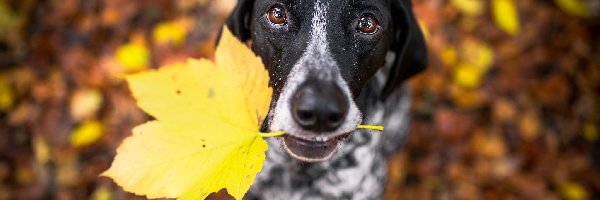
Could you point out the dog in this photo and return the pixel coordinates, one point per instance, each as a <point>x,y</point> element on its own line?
<point>333,64</point>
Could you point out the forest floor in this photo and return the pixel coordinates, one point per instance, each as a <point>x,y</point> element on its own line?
<point>507,109</point>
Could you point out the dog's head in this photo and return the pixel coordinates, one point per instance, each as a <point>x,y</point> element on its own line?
<point>320,54</point>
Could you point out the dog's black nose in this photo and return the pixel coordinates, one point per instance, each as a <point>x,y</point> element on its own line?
<point>319,106</point>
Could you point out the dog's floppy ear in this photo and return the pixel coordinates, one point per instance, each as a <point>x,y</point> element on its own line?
<point>239,19</point>
<point>409,46</point>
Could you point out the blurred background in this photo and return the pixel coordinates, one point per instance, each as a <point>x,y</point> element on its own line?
<point>507,109</point>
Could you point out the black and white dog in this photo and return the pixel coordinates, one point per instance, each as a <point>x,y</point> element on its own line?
<point>327,64</point>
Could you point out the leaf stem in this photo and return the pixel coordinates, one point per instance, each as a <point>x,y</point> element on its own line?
<point>371,127</point>
<point>280,133</point>
<point>273,134</point>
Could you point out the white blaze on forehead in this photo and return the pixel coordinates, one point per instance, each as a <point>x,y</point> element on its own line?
<point>318,31</point>
<point>317,60</point>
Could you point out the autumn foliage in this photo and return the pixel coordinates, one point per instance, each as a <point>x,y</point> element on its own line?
<point>507,109</point>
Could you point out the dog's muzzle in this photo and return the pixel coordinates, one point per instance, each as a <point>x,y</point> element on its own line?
<point>320,108</point>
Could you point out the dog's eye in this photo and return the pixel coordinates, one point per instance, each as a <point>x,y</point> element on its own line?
<point>367,24</point>
<point>277,15</point>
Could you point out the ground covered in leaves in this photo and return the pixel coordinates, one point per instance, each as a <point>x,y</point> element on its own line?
<point>508,108</point>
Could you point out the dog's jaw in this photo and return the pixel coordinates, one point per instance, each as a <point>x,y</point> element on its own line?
<point>316,60</point>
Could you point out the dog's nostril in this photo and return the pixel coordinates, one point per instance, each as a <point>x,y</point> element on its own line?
<point>306,117</point>
<point>335,119</point>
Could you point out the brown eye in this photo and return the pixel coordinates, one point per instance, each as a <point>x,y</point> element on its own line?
<point>367,24</point>
<point>277,15</point>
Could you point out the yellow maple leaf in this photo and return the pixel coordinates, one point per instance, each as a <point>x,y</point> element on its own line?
<point>206,133</point>
<point>506,16</point>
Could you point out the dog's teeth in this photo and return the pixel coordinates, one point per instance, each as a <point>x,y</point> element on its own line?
<point>321,139</point>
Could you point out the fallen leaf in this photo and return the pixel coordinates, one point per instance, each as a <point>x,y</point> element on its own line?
<point>7,96</point>
<point>506,16</point>
<point>477,53</point>
<point>41,150</point>
<point>469,7</point>
<point>504,110</point>
<point>87,133</point>
<point>223,6</point>
<point>22,113</point>
<point>488,144</point>
<point>206,133</point>
<point>7,16</point>
<point>573,191</point>
<point>448,55</point>
<point>133,56</point>
<point>504,167</point>
<point>68,172</point>
<point>170,33</point>
<point>529,126</point>
<point>85,103</point>
<point>102,193</point>
<point>573,7</point>
<point>475,59</point>
<point>187,5</point>
<point>465,97</point>
<point>590,133</point>
<point>23,78</point>
<point>110,17</point>
<point>467,76</point>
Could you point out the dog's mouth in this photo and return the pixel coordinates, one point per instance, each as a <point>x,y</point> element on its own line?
<point>314,149</point>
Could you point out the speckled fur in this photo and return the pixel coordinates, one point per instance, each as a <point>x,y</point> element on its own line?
<point>357,171</point>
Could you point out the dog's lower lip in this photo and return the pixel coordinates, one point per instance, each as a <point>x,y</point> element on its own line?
<point>311,150</point>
